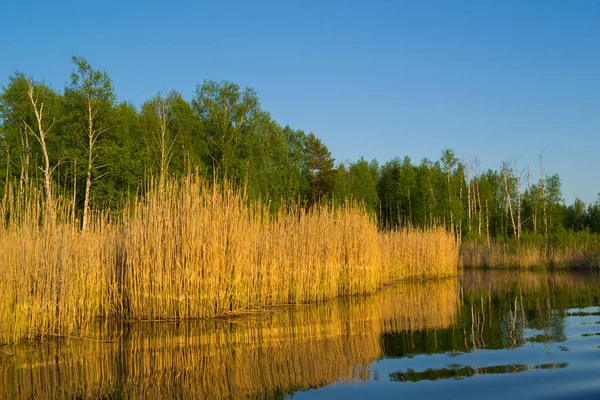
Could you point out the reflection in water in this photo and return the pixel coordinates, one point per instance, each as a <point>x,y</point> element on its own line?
<point>503,310</point>
<point>456,371</point>
<point>266,355</point>
<point>284,351</point>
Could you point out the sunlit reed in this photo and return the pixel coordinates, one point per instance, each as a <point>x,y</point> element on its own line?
<point>280,351</point>
<point>187,249</point>
<point>476,282</point>
<point>574,253</point>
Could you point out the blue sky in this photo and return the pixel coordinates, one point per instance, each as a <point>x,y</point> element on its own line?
<point>379,79</point>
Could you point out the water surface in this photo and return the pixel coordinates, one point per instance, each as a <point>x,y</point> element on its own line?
<point>493,334</point>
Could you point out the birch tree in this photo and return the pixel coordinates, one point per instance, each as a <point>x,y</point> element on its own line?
<point>532,200</point>
<point>21,129</point>
<point>228,121</point>
<point>507,197</point>
<point>518,193</point>
<point>450,162</point>
<point>93,92</point>
<point>40,131</point>
<point>159,138</point>
<point>543,187</point>
<point>468,183</point>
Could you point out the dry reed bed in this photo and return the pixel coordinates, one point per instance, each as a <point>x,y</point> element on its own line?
<point>191,250</point>
<point>492,283</point>
<point>54,279</point>
<point>297,349</point>
<point>502,255</point>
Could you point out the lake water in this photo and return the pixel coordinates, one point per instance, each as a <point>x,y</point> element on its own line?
<point>485,334</point>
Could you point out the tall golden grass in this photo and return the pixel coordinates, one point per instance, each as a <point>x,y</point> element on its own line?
<point>188,249</point>
<point>272,353</point>
<point>53,278</point>
<point>527,282</point>
<point>528,255</point>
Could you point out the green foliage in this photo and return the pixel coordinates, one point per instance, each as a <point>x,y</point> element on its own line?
<point>320,163</point>
<point>229,119</point>
<point>341,184</point>
<point>21,153</point>
<point>225,134</point>
<point>124,156</point>
<point>358,182</point>
<point>397,191</point>
<point>363,177</point>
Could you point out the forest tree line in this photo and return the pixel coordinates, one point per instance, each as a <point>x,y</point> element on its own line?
<point>82,144</point>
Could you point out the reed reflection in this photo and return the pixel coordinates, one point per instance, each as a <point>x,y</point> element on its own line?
<point>265,355</point>
<point>503,310</point>
<point>285,350</point>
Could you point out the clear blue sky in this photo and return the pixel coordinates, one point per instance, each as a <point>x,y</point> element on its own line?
<point>378,79</point>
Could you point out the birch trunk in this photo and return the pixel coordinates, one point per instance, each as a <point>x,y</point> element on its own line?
<point>469,203</point>
<point>543,182</point>
<point>508,201</point>
<point>518,182</point>
<point>40,135</point>
<point>92,135</point>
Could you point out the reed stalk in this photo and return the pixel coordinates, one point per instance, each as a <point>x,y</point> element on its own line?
<point>579,250</point>
<point>271,353</point>
<point>190,249</point>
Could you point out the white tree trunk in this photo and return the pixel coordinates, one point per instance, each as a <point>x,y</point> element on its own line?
<point>92,135</point>
<point>543,182</point>
<point>40,135</point>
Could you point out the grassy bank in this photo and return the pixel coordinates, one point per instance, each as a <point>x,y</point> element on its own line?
<point>187,249</point>
<point>566,250</point>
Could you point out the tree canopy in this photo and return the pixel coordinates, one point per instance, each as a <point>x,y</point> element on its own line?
<point>100,152</point>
